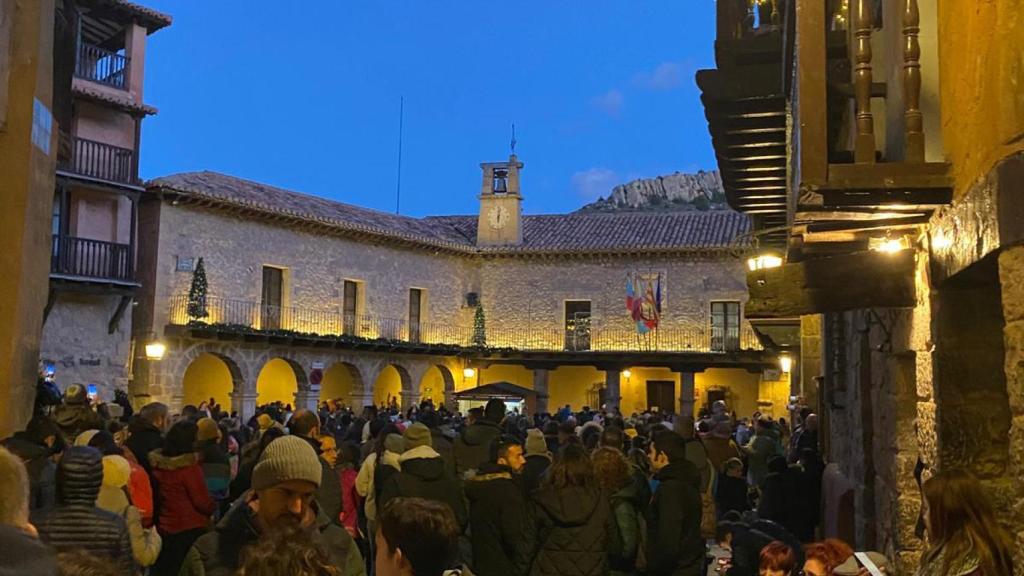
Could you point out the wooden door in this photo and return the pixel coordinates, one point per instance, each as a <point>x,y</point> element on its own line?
<point>661,394</point>
<point>270,304</point>
<point>415,308</point>
<point>349,301</point>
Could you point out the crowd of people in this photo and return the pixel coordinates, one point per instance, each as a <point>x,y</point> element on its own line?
<point>100,490</point>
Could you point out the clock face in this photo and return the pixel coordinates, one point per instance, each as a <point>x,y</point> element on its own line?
<point>498,217</point>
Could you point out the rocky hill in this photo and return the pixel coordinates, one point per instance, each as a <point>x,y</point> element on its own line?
<point>699,191</point>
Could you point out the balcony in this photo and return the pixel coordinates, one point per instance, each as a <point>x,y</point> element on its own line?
<point>82,258</point>
<point>249,316</point>
<point>96,160</point>
<point>102,66</point>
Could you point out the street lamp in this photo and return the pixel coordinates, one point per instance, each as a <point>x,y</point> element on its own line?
<point>468,373</point>
<point>764,262</point>
<point>786,363</point>
<point>155,350</point>
<point>627,373</point>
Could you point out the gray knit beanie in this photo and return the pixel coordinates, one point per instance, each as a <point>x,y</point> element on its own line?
<point>286,458</point>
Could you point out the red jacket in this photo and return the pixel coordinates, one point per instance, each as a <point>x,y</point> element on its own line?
<point>350,501</point>
<point>183,500</point>
<point>140,491</point>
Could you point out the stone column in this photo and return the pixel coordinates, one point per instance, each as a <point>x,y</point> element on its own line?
<point>1011,280</point>
<point>540,386</point>
<point>245,404</point>
<point>613,393</point>
<point>686,391</point>
<point>409,398</point>
<point>308,398</point>
<point>361,400</point>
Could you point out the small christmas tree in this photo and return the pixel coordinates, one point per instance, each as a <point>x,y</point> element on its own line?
<point>197,293</point>
<point>479,327</point>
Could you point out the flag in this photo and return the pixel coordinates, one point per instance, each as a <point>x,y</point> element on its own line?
<point>629,294</point>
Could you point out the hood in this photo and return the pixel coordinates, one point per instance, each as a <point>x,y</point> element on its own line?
<point>159,461</point>
<point>422,462</point>
<point>116,471</point>
<point>79,476</point>
<point>477,486</point>
<point>685,472</point>
<point>481,432</point>
<point>23,446</point>
<point>569,506</point>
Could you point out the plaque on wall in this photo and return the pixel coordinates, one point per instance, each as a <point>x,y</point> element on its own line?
<point>185,264</point>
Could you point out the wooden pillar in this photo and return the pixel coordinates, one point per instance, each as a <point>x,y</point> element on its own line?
<point>613,392</point>
<point>686,391</point>
<point>913,121</point>
<point>864,145</point>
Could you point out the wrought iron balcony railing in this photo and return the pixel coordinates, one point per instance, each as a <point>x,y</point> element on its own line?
<point>96,160</point>
<point>93,259</point>
<point>103,66</point>
<point>215,310</point>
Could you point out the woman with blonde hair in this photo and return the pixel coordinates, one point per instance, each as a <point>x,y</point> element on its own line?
<point>965,538</point>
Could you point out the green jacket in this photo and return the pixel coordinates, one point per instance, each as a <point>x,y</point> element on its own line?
<point>630,530</point>
<point>218,553</point>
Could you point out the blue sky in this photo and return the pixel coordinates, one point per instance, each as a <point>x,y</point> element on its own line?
<point>601,92</point>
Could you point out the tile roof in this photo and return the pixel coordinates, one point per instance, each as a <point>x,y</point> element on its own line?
<point>153,19</point>
<point>123,100</point>
<point>554,233</point>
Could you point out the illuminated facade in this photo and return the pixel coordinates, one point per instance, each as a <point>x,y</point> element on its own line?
<point>311,299</point>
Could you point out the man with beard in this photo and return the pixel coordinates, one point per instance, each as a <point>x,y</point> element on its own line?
<point>284,484</point>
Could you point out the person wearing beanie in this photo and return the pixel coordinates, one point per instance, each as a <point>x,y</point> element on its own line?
<point>214,460</point>
<point>306,425</point>
<point>538,460</point>
<point>76,522</point>
<point>473,446</point>
<point>113,497</point>
<point>439,442</point>
<point>422,475</point>
<point>284,486</point>
<point>23,553</point>
<point>498,519</point>
<point>264,421</point>
<point>75,415</point>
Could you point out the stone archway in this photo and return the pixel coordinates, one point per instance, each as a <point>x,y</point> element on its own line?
<point>211,375</point>
<point>282,380</point>
<point>437,384</point>
<point>393,381</point>
<point>169,377</point>
<point>342,380</point>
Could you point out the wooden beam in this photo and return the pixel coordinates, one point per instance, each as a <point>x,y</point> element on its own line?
<point>833,284</point>
<point>810,77</point>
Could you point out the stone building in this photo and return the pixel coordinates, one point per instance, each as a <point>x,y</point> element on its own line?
<point>87,333</point>
<point>879,148</point>
<point>312,299</point>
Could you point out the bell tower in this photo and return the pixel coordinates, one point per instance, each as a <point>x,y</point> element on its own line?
<point>501,212</point>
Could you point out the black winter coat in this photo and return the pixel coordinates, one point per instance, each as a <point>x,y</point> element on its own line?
<point>499,522</point>
<point>217,553</point>
<point>423,475</point>
<point>473,446</point>
<point>41,471</point>
<point>24,555</point>
<point>574,529</point>
<point>781,499</point>
<point>444,446</point>
<point>533,471</point>
<point>674,543</point>
<point>731,494</point>
<point>142,442</point>
<point>76,522</point>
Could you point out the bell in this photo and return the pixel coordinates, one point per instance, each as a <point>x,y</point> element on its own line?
<point>499,184</point>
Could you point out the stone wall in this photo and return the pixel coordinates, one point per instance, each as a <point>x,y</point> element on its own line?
<point>76,341</point>
<point>1011,276</point>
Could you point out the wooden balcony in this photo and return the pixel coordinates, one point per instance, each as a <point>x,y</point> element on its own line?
<point>97,160</point>
<point>250,317</point>
<point>102,66</point>
<point>84,259</point>
<point>843,176</point>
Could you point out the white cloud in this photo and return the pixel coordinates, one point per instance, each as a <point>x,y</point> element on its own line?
<point>594,182</point>
<point>663,78</point>
<point>611,102</point>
